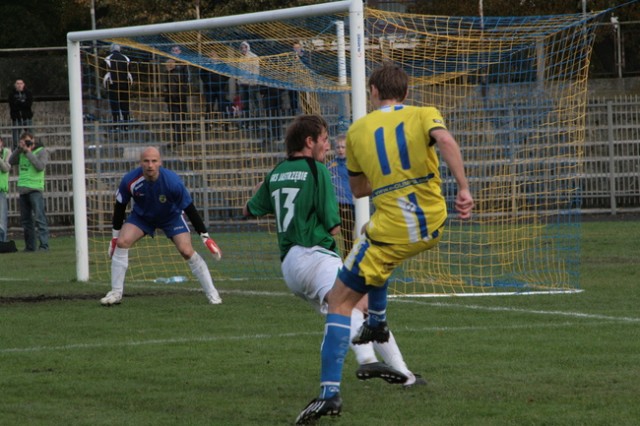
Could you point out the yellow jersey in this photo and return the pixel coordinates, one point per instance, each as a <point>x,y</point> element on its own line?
<point>392,146</point>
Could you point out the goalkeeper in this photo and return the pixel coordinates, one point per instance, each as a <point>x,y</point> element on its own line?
<point>300,194</point>
<point>160,198</point>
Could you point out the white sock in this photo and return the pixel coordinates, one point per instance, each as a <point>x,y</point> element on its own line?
<point>201,271</point>
<point>119,266</point>
<point>364,353</point>
<point>390,352</point>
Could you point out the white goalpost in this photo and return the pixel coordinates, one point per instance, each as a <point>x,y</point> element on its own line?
<point>356,20</point>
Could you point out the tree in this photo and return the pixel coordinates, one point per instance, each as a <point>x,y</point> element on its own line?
<point>118,13</point>
<point>517,7</point>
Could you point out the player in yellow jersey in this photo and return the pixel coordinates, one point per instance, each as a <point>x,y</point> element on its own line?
<point>391,157</point>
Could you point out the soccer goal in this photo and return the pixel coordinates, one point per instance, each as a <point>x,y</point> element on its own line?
<point>512,91</point>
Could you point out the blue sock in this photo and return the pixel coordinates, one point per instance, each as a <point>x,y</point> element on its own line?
<point>377,305</point>
<point>334,349</point>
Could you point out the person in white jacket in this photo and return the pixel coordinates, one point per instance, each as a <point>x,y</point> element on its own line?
<point>248,82</point>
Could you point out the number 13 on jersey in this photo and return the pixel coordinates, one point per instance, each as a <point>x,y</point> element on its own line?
<point>284,203</point>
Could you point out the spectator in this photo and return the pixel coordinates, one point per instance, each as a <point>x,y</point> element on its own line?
<point>5,167</point>
<point>215,88</point>
<point>294,95</point>
<point>175,92</point>
<point>117,81</point>
<point>176,51</point>
<point>248,82</point>
<point>181,65</point>
<point>20,102</point>
<point>272,97</point>
<point>340,181</point>
<point>32,158</point>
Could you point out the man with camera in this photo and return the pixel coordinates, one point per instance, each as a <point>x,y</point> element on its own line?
<point>5,168</point>
<point>31,157</point>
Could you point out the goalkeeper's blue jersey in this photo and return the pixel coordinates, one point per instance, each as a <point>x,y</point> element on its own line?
<point>155,202</point>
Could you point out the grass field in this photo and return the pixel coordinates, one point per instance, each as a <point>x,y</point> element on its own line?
<point>165,357</point>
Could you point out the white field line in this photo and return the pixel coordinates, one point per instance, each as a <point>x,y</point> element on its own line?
<point>523,311</point>
<point>153,342</point>
<point>601,320</point>
<point>208,339</point>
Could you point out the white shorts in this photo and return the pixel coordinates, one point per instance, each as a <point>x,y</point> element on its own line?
<point>310,273</point>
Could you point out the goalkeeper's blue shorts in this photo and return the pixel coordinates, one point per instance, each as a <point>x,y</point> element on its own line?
<point>171,227</point>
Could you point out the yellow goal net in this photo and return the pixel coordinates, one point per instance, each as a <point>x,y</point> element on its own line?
<point>217,102</point>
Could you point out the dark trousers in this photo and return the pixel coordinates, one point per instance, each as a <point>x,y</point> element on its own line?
<point>215,92</point>
<point>32,215</point>
<point>178,116</point>
<point>119,102</point>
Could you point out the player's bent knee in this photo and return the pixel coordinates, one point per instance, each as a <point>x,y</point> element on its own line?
<point>186,254</point>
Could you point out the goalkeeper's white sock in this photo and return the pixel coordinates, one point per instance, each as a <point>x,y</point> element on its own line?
<point>390,353</point>
<point>364,353</point>
<point>119,265</point>
<point>201,271</point>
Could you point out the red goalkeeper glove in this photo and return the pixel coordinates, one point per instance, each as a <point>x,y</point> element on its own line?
<point>211,245</point>
<point>114,242</point>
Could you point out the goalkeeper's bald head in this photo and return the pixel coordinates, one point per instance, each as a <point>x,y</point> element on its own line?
<point>150,161</point>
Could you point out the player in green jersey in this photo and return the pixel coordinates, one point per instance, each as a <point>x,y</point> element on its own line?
<point>299,192</point>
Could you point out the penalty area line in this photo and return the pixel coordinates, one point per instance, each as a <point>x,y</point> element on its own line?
<point>262,336</point>
<point>524,311</point>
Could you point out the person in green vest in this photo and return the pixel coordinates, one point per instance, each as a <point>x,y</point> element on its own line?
<point>5,167</point>
<point>31,157</point>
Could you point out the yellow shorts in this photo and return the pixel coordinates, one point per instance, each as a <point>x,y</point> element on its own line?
<point>371,263</point>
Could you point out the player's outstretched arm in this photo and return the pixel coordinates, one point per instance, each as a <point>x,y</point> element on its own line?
<point>198,224</point>
<point>211,246</point>
<point>245,209</point>
<point>464,203</point>
<point>450,152</point>
<point>360,185</point>
<point>116,222</point>
<point>114,241</point>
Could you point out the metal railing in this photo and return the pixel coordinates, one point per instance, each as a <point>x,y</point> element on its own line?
<point>610,182</point>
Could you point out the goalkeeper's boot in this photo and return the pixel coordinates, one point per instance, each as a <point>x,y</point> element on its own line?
<point>367,334</point>
<point>318,408</point>
<point>381,370</point>
<point>214,298</point>
<point>112,298</point>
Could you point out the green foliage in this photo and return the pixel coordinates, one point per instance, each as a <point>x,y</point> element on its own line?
<point>520,7</point>
<point>22,27</point>
<point>165,357</point>
<point>37,23</point>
